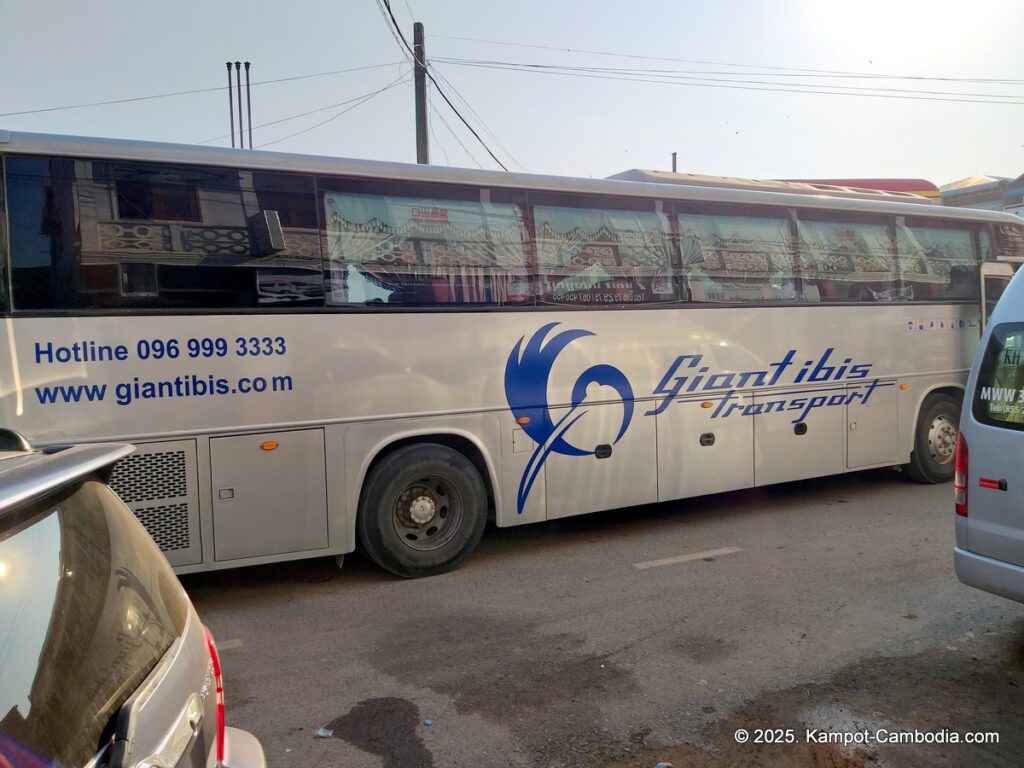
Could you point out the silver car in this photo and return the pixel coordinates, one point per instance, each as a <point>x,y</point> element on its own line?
<point>989,481</point>
<point>103,660</point>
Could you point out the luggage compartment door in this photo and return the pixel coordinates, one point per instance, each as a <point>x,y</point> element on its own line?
<point>613,474</point>
<point>871,433</point>
<point>799,436</point>
<point>703,450</point>
<point>269,494</point>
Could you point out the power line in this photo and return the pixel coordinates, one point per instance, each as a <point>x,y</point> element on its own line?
<point>197,90</point>
<point>465,122</point>
<point>398,37</point>
<point>437,141</point>
<point>792,88</point>
<point>669,74</point>
<point>828,72</point>
<point>398,34</point>
<point>469,154</point>
<point>473,112</point>
<point>456,136</point>
<point>430,76</point>
<point>362,100</point>
<point>302,114</point>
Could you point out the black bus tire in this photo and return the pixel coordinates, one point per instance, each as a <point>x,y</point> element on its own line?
<point>423,510</point>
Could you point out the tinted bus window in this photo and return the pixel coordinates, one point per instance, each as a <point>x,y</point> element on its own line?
<point>42,225</point>
<point>102,235</point>
<point>937,260</point>
<point>387,249</point>
<point>598,255</point>
<point>291,195</point>
<point>736,257</point>
<point>848,257</point>
<point>1010,241</point>
<point>999,391</point>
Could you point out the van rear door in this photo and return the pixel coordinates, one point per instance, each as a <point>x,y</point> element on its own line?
<point>995,443</point>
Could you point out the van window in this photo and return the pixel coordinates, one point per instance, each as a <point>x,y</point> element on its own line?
<point>999,392</point>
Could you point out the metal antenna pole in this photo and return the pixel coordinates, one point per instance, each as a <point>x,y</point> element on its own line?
<point>241,128</point>
<point>248,102</point>
<point>231,105</point>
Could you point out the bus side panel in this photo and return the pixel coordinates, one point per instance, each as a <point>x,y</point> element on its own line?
<point>609,473</point>
<point>517,459</point>
<point>871,412</point>
<point>339,532</point>
<point>699,452</point>
<point>792,444</point>
<point>365,442</point>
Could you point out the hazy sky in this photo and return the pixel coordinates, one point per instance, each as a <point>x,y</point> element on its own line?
<point>62,53</point>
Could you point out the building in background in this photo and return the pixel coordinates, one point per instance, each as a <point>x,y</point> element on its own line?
<point>994,193</point>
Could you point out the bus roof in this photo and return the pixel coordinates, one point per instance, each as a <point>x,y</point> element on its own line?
<point>916,187</point>
<point>145,151</point>
<point>870,189</point>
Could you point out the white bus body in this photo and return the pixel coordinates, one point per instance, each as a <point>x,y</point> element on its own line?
<point>274,432</point>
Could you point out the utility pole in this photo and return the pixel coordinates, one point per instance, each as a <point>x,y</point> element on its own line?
<point>419,53</point>
<point>673,162</point>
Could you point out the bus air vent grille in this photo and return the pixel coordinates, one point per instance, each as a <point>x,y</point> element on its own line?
<point>159,484</point>
<point>150,477</point>
<point>167,524</point>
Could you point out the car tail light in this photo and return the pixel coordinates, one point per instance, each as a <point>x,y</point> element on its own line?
<point>960,476</point>
<point>218,682</point>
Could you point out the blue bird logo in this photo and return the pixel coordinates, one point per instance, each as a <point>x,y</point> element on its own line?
<point>527,375</point>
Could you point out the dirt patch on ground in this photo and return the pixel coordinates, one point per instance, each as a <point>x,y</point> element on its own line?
<point>544,687</point>
<point>946,693</point>
<point>386,728</point>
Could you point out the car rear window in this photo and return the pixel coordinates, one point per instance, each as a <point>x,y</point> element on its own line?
<point>999,392</point>
<point>88,606</point>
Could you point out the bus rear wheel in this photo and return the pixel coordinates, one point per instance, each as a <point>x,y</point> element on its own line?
<point>935,440</point>
<point>423,510</point>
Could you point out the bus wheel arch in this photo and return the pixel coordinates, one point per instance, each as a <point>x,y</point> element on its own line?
<point>935,428</point>
<point>424,502</point>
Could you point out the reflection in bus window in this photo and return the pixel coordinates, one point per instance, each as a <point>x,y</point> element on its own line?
<point>937,262</point>
<point>422,252</point>
<point>850,259</point>
<point>594,256</point>
<point>95,234</point>
<point>730,258</point>
<point>1010,242</point>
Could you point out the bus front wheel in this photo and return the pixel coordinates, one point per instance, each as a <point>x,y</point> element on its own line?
<point>935,440</point>
<point>423,510</point>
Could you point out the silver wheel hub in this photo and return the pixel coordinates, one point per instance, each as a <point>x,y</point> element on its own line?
<point>942,439</point>
<point>428,513</point>
<point>422,510</point>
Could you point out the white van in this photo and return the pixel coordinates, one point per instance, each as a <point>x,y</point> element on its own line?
<point>989,480</point>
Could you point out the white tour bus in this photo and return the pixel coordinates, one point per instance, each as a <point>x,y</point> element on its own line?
<point>312,352</point>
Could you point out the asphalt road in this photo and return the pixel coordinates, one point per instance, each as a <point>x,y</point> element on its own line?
<point>828,605</point>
